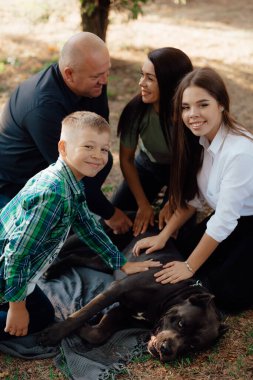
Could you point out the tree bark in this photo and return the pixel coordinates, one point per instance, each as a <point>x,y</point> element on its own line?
<point>95,16</point>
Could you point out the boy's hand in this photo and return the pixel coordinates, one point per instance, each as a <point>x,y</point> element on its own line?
<point>17,319</point>
<point>142,266</point>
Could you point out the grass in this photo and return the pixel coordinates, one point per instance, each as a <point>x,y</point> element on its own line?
<point>231,358</point>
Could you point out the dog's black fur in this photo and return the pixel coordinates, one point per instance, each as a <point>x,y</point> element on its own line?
<point>183,315</point>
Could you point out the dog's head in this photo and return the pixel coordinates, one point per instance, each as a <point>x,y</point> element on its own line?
<point>189,326</point>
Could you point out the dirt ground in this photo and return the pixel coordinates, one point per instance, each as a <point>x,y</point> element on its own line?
<point>218,33</point>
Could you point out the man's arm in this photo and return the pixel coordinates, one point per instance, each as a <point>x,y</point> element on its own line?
<point>97,201</point>
<point>44,126</point>
<point>116,219</point>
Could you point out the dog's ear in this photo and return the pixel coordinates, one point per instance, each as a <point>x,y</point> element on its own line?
<point>201,300</point>
<point>223,328</point>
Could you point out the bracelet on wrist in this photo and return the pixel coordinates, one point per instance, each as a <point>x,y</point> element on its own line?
<point>189,267</point>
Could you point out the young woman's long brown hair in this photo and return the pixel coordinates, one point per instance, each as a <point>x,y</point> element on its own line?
<point>187,152</point>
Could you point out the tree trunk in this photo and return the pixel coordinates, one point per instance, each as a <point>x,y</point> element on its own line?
<point>94,15</point>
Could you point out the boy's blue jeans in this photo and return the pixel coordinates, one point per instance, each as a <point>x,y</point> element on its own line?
<point>40,310</point>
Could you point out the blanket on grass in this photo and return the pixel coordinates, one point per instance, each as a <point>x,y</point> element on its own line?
<point>77,360</point>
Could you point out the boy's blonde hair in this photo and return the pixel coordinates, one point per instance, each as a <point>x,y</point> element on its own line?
<point>79,120</point>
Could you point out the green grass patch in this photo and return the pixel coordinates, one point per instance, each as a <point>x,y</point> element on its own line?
<point>183,362</point>
<point>8,359</point>
<point>2,67</point>
<point>142,359</point>
<point>109,188</point>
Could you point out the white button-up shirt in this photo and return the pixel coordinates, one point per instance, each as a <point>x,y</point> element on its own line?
<point>225,181</point>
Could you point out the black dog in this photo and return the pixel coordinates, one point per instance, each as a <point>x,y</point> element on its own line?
<point>183,315</point>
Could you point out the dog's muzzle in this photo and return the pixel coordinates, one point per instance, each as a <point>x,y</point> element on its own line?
<point>165,345</point>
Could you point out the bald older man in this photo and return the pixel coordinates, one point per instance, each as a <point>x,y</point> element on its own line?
<point>31,120</point>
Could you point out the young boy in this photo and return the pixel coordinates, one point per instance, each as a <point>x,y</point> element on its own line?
<point>35,224</point>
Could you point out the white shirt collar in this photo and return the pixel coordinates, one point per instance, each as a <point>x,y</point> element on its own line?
<point>217,142</point>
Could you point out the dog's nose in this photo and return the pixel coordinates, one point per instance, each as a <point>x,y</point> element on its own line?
<point>166,348</point>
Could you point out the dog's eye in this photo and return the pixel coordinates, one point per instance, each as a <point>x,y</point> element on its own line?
<point>180,323</point>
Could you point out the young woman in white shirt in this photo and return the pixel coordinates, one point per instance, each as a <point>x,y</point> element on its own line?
<point>212,162</point>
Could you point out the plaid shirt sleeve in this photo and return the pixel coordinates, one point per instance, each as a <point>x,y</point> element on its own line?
<point>94,236</point>
<point>37,216</point>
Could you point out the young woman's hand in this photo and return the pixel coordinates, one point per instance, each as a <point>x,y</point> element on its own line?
<point>136,267</point>
<point>17,319</point>
<point>173,272</point>
<point>153,243</point>
<point>144,217</point>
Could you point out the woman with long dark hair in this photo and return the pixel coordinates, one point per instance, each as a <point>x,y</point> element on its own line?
<point>146,124</point>
<point>212,162</point>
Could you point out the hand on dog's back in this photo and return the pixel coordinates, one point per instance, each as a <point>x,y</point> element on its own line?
<point>140,266</point>
<point>153,243</point>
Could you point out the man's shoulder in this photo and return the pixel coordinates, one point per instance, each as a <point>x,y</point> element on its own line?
<point>37,94</point>
<point>44,83</point>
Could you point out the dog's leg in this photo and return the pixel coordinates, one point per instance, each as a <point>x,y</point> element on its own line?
<point>116,319</point>
<point>52,335</point>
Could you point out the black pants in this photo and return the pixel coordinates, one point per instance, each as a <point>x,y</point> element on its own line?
<point>153,178</point>
<point>228,271</point>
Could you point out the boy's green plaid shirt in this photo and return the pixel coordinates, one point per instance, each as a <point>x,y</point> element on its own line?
<point>35,224</point>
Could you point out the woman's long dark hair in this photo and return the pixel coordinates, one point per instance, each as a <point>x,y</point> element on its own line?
<point>187,153</point>
<point>170,66</point>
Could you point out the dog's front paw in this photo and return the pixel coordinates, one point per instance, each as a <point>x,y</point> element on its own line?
<point>51,336</point>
